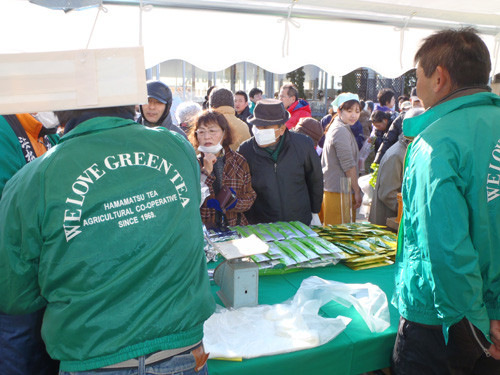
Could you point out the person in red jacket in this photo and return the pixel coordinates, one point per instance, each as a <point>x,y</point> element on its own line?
<point>298,108</point>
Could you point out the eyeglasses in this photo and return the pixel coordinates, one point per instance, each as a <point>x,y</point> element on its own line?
<point>211,132</point>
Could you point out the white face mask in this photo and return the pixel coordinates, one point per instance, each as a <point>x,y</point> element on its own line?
<point>48,119</point>
<point>264,136</point>
<point>210,149</point>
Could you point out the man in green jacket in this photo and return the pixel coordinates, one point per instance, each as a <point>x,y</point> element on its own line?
<point>448,262</point>
<point>23,138</point>
<point>95,231</point>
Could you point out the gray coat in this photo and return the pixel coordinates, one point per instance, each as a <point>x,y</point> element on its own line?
<point>340,153</point>
<point>389,180</point>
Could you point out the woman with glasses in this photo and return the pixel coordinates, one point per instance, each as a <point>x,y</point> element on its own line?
<point>223,171</point>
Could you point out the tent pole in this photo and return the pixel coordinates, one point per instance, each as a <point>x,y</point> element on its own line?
<point>245,76</point>
<point>325,82</point>
<point>183,80</point>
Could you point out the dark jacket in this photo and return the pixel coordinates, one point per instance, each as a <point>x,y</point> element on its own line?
<point>165,123</point>
<point>390,137</point>
<point>243,117</point>
<point>357,131</point>
<point>290,189</point>
<point>324,123</point>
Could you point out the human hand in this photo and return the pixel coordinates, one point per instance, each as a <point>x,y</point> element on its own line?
<point>494,349</point>
<point>208,162</point>
<point>232,205</point>
<point>358,199</point>
<point>215,204</point>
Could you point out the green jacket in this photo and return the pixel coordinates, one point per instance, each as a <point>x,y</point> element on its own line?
<point>105,231</point>
<point>12,158</point>
<point>448,264</point>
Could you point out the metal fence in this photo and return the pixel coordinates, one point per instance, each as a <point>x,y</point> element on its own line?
<point>366,83</point>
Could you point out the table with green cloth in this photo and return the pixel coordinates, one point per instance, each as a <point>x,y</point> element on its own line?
<point>354,351</point>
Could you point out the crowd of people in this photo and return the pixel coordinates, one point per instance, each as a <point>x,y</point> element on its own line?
<point>139,189</point>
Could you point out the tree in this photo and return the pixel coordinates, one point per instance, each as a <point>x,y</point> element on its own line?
<point>297,77</point>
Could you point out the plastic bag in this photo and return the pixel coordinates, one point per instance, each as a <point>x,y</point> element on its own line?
<point>368,299</point>
<point>205,193</point>
<point>251,332</point>
<point>315,220</point>
<point>366,188</point>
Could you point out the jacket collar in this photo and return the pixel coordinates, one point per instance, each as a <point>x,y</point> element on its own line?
<point>245,113</point>
<point>97,124</point>
<point>415,125</point>
<point>337,121</point>
<point>31,125</point>
<point>300,103</point>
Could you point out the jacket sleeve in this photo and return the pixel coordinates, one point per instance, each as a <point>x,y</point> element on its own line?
<point>12,158</point>
<point>293,120</point>
<point>314,176</point>
<point>440,224</point>
<point>389,138</point>
<point>357,131</point>
<point>208,181</point>
<point>246,195</point>
<point>389,181</point>
<point>20,244</point>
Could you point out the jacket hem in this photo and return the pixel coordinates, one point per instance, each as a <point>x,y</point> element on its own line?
<point>431,318</point>
<point>173,341</point>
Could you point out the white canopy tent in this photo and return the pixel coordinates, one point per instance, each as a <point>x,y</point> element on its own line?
<point>280,35</point>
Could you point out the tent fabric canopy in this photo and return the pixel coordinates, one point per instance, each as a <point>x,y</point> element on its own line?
<point>338,36</point>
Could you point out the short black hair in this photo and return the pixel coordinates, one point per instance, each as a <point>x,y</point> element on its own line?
<point>379,116</point>
<point>255,91</point>
<point>384,96</point>
<point>242,93</point>
<point>122,111</point>
<point>461,52</point>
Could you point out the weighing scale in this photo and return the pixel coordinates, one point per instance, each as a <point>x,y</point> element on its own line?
<point>238,278</point>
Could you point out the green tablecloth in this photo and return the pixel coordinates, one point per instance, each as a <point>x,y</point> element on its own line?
<point>354,351</point>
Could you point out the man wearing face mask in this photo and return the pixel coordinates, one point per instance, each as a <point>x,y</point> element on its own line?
<point>157,111</point>
<point>23,138</point>
<point>286,171</point>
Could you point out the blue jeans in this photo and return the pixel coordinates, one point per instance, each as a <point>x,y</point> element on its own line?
<point>22,350</point>
<point>182,364</point>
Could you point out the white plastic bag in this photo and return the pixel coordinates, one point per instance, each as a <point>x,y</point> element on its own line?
<point>315,220</point>
<point>368,299</point>
<point>294,325</point>
<point>364,185</point>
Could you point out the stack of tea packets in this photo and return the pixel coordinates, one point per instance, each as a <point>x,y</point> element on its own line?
<point>292,245</point>
<point>364,245</point>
